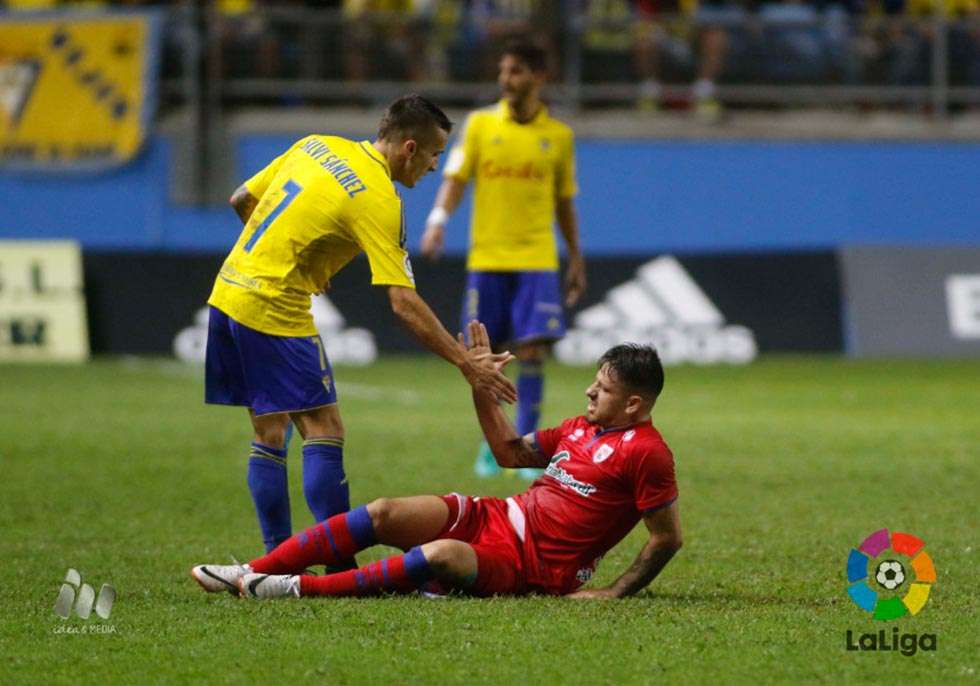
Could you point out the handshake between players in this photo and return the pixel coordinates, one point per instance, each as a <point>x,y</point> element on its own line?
<point>604,471</point>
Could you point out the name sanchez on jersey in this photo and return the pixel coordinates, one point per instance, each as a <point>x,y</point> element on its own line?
<point>336,166</point>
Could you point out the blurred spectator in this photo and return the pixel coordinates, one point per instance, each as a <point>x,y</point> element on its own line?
<point>397,39</point>
<point>659,35</point>
<point>911,44</point>
<point>440,21</point>
<point>660,39</point>
<point>846,43</point>
<point>964,46</point>
<point>367,25</point>
<point>492,23</point>
<point>795,45</point>
<point>646,43</point>
<point>722,28</point>
<point>607,40</point>
<point>248,47</point>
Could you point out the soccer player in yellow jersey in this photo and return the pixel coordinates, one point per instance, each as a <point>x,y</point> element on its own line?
<point>307,214</point>
<point>522,163</point>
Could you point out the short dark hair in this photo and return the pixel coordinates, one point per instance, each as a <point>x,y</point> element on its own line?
<point>527,52</point>
<point>636,366</point>
<point>412,116</point>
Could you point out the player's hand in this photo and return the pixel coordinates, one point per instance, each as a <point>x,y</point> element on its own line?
<point>479,339</point>
<point>433,240</point>
<point>574,280</point>
<point>483,368</point>
<point>482,371</point>
<point>593,594</point>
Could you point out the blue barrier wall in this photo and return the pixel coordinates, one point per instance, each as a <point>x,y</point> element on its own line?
<point>637,197</point>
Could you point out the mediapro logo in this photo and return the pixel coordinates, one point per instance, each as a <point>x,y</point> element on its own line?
<point>343,344</point>
<point>81,597</point>
<point>662,305</point>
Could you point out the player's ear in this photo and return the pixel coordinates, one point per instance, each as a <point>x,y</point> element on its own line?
<point>410,146</point>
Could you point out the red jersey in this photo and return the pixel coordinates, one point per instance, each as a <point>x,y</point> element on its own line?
<point>594,491</point>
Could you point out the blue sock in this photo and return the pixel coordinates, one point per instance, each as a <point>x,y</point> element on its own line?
<point>270,492</point>
<point>361,528</point>
<point>530,388</point>
<point>417,567</point>
<point>324,482</point>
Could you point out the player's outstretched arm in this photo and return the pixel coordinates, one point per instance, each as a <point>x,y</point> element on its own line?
<point>447,200</point>
<point>482,370</point>
<point>575,271</point>
<point>243,203</point>
<point>665,540</point>
<point>508,448</point>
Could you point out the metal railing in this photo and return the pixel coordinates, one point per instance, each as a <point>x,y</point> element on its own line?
<point>282,55</point>
<point>285,56</point>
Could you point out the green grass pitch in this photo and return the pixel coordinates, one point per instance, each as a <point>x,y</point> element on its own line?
<point>118,470</point>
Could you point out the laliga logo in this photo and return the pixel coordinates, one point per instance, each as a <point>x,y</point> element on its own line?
<point>890,576</point>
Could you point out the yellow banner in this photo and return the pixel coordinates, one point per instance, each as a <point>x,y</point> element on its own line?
<point>76,91</point>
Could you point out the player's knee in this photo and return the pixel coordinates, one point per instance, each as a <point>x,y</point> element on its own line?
<point>532,352</point>
<point>321,422</point>
<point>330,422</point>
<point>271,433</point>
<point>380,511</point>
<point>447,558</point>
<point>452,561</point>
<point>333,428</point>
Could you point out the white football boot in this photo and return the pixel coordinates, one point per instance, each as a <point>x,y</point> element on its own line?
<point>215,578</point>
<point>266,586</point>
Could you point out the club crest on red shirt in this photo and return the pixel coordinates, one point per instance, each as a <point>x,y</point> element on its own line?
<point>602,454</point>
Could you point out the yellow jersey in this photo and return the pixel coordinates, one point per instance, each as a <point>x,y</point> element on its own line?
<point>321,203</point>
<point>520,172</point>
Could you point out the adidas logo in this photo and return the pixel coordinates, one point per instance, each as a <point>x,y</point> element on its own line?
<point>17,79</point>
<point>353,346</point>
<point>81,597</point>
<point>662,306</point>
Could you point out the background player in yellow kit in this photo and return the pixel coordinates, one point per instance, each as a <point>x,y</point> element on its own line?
<point>307,214</point>
<point>522,163</point>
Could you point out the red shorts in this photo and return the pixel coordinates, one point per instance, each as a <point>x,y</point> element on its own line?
<point>507,563</point>
<point>483,523</point>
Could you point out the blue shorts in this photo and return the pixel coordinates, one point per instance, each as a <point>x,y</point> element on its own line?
<point>515,306</point>
<point>267,373</point>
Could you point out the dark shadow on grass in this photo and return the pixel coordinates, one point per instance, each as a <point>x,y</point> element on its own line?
<point>692,599</point>
<point>726,597</point>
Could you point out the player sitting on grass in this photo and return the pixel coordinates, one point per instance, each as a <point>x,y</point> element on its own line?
<point>604,472</point>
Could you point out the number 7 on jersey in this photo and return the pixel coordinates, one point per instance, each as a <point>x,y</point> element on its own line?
<point>291,189</point>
